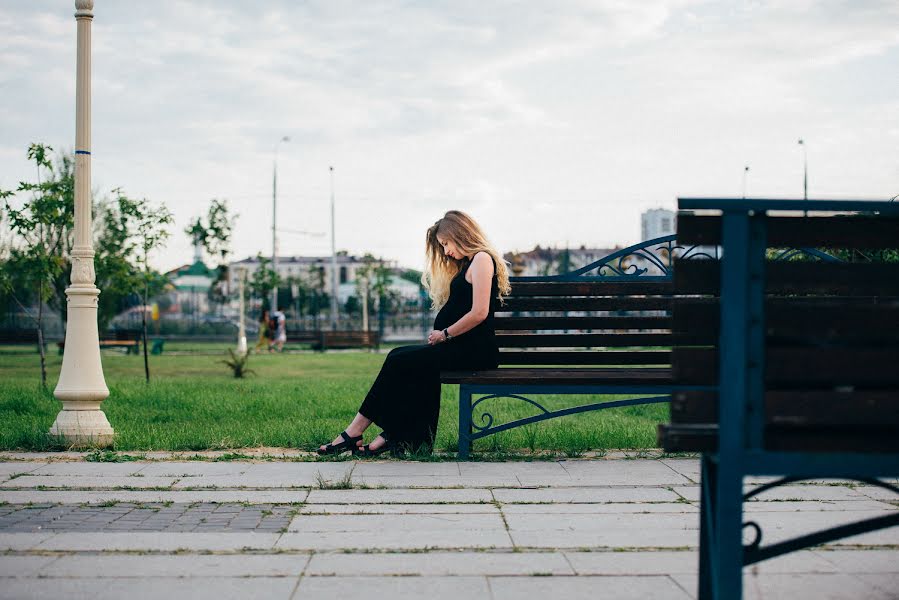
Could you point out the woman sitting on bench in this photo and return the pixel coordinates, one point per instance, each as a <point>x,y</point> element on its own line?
<point>464,275</point>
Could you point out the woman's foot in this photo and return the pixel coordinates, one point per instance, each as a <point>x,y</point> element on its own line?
<point>378,446</point>
<point>344,442</point>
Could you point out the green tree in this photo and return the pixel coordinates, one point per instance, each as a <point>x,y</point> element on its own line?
<point>264,280</point>
<point>43,224</point>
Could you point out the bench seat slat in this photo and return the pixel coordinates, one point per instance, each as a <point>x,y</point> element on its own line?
<point>503,323</point>
<point>799,408</point>
<point>838,231</point>
<point>582,340</point>
<point>583,376</point>
<point>611,303</point>
<point>797,277</point>
<point>704,438</point>
<point>800,367</point>
<point>610,287</point>
<point>613,357</point>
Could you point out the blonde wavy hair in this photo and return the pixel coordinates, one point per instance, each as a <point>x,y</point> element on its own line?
<point>469,239</point>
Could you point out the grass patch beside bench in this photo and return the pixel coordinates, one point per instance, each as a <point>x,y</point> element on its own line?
<point>293,401</point>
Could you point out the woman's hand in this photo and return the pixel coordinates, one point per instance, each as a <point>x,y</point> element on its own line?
<point>435,337</point>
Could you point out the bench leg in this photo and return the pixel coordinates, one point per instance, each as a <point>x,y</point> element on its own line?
<point>707,553</point>
<point>464,422</point>
<point>728,518</point>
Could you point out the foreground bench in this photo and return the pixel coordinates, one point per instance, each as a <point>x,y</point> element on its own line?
<point>792,365</point>
<point>602,329</point>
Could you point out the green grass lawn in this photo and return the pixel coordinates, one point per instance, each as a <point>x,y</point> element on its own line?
<point>293,400</point>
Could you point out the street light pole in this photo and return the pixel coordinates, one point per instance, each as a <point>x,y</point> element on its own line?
<point>275,221</point>
<point>81,386</point>
<point>242,330</point>
<point>804,170</point>
<point>333,260</point>
<point>745,174</point>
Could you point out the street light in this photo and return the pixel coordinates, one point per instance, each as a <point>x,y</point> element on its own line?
<point>333,261</point>
<point>81,386</point>
<point>275,221</point>
<point>745,174</point>
<point>804,170</point>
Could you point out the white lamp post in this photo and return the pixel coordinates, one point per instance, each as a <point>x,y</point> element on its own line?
<point>242,331</point>
<point>275,221</point>
<point>81,386</point>
<point>804,170</point>
<point>333,261</point>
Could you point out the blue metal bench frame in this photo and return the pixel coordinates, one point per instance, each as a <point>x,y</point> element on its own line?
<point>659,253</point>
<point>722,554</point>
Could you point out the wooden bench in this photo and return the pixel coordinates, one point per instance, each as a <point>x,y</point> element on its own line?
<point>123,338</point>
<point>793,365</point>
<point>602,329</point>
<point>323,340</point>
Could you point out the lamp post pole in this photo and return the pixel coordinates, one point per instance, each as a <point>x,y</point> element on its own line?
<point>81,386</point>
<point>275,221</point>
<point>745,175</point>
<point>804,170</point>
<point>242,330</point>
<point>333,261</point>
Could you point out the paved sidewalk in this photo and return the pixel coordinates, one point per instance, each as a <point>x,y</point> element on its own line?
<point>602,528</point>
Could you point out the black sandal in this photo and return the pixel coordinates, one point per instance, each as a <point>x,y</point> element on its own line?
<point>348,443</point>
<point>366,451</point>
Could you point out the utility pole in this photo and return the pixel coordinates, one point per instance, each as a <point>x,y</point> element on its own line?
<point>275,221</point>
<point>333,261</point>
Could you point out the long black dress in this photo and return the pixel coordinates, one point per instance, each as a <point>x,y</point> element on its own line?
<point>405,398</point>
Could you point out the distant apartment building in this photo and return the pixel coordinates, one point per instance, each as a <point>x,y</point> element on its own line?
<point>553,261</point>
<point>657,222</point>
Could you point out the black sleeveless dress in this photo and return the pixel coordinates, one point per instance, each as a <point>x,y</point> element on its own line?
<point>405,398</point>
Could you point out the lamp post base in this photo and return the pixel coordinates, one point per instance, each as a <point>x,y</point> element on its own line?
<point>83,424</point>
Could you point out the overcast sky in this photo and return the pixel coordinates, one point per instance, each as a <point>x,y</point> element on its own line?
<point>550,122</point>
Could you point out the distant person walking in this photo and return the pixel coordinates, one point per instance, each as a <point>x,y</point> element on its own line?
<point>278,328</point>
<point>466,278</point>
<point>262,343</point>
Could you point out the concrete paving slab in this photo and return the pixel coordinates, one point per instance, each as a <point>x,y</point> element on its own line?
<point>688,467</point>
<point>276,470</point>
<point>437,482</point>
<point>407,469</point>
<point>401,496</point>
<point>87,482</point>
<point>778,527</point>
<point>589,495</point>
<point>435,523</point>
<point>816,505</point>
<point>23,566</point>
<point>821,586</point>
<point>159,541</point>
<point>156,588</point>
<point>862,561</point>
<point>615,539</point>
<point>624,472</point>
<point>100,497</point>
<point>13,468</point>
<point>399,509</point>
<point>642,526</point>
<point>440,563</point>
<point>246,481</point>
<point>591,509</point>
<point>789,492</point>
<point>395,588</point>
<point>91,469</point>
<point>194,468</point>
<point>620,588</point>
<point>633,563</point>
<point>182,565</point>
<point>886,584</point>
<point>503,469</point>
<point>878,493</point>
<point>395,540</point>
<point>23,541</point>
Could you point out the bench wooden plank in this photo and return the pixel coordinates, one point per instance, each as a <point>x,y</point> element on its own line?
<point>577,376</point>
<point>838,231</point>
<point>799,408</point>
<point>797,277</point>
<point>582,340</point>
<point>797,367</point>
<point>611,287</point>
<point>704,438</point>
<point>504,323</point>
<point>626,357</point>
<point>611,303</point>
